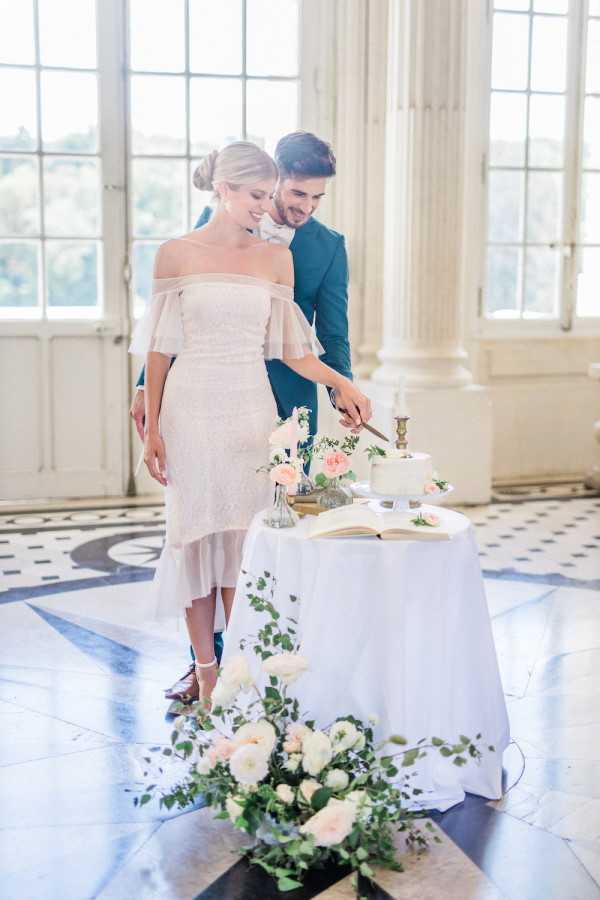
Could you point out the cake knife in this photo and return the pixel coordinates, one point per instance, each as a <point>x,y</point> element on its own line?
<point>370,428</point>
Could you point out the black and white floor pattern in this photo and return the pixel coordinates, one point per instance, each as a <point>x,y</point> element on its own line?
<point>81,678</point>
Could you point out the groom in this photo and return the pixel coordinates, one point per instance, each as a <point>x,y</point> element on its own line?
<point>305,164</point>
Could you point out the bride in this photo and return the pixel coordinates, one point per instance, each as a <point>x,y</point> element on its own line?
<point>222,304</point>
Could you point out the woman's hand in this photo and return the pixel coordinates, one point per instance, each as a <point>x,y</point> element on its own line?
<point>354,404</point>
<point>154,457</point>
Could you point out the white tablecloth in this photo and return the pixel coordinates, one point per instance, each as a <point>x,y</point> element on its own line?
<point>396,628</point>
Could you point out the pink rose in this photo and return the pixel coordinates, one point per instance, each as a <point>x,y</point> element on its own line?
<point>221,750</point>
<point>431,488</point>
<point>432,519</point>
<point>336,463</point>
<point>285,474</point>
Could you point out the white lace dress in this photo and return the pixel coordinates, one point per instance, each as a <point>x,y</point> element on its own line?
<point>216,416</point>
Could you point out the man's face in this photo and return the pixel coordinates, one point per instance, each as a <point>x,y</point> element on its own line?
<point>296,199</point>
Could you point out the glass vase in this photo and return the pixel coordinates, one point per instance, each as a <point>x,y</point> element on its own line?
<point>305,485</point>
<point>335,494</point>
<point>281,514</point>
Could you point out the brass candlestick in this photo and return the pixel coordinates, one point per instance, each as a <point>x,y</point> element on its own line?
<point>401,433</point>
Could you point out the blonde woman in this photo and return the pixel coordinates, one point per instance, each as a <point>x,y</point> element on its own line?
<point>222,304</point>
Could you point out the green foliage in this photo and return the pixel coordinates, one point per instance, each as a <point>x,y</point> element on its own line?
<point>373,451</point>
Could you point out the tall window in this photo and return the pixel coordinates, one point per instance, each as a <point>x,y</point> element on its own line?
<point>50,209</point>
<point>543,251</point>
<point>201,75</point>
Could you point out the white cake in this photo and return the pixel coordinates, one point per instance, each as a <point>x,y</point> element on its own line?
<point>397,474</point>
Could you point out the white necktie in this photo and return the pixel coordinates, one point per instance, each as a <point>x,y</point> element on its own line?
<point>273,233</point>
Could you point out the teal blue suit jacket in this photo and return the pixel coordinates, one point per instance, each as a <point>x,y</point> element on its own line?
<point>321,292</point>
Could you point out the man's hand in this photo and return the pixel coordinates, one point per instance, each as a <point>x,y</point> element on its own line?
<point>138,412</point>
<point>155,458</point>
<point>354,405</point>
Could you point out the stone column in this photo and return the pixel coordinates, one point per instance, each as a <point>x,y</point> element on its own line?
<point>425,244</point>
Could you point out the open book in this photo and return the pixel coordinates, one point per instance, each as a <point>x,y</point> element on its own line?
<point>349,521</point>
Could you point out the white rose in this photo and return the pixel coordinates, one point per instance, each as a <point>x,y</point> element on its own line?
<point>249,764</point>
<point>236,672</point>
<point>260,733</point>
<point>292,764</point>
<point>203,765</point>
<point>337,780</point>
<point>360,743</point>
<point>317,752</point>
<point>287,666</point>
<point>332,824</point>
<point>297,731</point>
<point>285,793</point>
<point>343,736</point>
<point>362,803</point>
<point>233,808</point>
<point>308,788</point>
<point>224,694</point>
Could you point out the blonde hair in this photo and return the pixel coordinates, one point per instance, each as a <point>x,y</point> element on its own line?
<point>239,163</point>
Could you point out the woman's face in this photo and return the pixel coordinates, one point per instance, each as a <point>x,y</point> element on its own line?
<point>248,203</point>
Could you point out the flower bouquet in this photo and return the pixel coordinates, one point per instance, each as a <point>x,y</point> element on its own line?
<point>336,471</point>
<point>305,796</point>
<point>286,466</point>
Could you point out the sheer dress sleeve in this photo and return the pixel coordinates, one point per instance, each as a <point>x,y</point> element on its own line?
<point>289,335</point>
<point>161,327</point>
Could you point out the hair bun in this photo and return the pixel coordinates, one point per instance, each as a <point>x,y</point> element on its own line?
<point>204,172</point>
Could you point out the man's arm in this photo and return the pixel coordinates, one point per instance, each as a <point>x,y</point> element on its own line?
<point>137,411</point>
<point>331,315</point>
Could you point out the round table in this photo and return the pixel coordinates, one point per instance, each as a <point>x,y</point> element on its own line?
<point>399,629</point>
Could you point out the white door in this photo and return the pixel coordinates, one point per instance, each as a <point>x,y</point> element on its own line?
<point>63,303</point>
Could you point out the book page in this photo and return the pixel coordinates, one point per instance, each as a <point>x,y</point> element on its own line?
<point>357,518</point>
<point>401,523</point>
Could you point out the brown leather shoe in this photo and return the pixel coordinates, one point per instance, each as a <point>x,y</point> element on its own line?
<point>186,689</point>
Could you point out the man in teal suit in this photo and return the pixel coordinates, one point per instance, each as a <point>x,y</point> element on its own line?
<point>321,290</point>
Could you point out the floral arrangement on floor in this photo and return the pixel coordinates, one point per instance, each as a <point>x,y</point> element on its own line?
<point>305,796</point>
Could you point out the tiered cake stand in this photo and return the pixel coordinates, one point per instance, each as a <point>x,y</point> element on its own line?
<point>398,502</point>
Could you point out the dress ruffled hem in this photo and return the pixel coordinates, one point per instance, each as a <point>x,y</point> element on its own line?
<point>186,573</point>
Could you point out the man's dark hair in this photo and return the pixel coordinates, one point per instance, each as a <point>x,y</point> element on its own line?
<point>304,155</point>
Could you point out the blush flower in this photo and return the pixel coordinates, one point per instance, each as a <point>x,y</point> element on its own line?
<point>285,793</point>
<point>260,733</point>
<point>287,666</point>
<point>336,463</point>
<point>249,764</point>
<point>308,787</point>
<point>332,824</point>
<point>432,519</point>
<point>431,488</point>
<point>285,474</point>
<point>236,672</point>
<point>317,751</point>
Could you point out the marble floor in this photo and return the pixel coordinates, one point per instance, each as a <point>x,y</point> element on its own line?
<point>81,698</point>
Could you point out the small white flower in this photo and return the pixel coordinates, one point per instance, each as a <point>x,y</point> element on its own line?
<point>293,763</point>
<point>203,765</point>
<point>260,733</point>
<point>285,793</point>
<point>317,752</point>
<point>337,780</point>
<point>233,808</point>
<point>249,764</point>
<point>360,743</point>
<point>343,736</point>
<point>308,788</point>
<point>287,666</point>
<point>332,824</point>
<point>236,672</point>
<point>362,803</point>
<point>224,694</point>
<point>373,719</point>
<point>179,723</point>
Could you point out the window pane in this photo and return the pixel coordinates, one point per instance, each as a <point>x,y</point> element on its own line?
<point>215,113</point>
<point>551,6</point>
<point>72,273</point>
<point>549,54</point>
<point>591,133</point>
<point>143,265</point>
<point>18,274</point>
<point>158,114</point>
<point>72,197</point>
<point>216,37</point>
<point>592,83</point>
<point>159,190</point>
<point>546,130</point>
<point>17,44</point>
<point>503,282</point>
<point>198,199</point>
<point>19,196</point>
<point>506,196</point>
<point>271,111</point>
<point>590,224</point>
<point>18,117</point>
<point>594,7</point>
<point>510,52</point>
<point>68,33</point>
<point>541,283</point>
<point>544,206</point>
<point>157,35</point>
<point>588,283</point>
<point>69,111</point>
<point>517,5</point>
<point>272,37</point>
<point>508,129</point>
